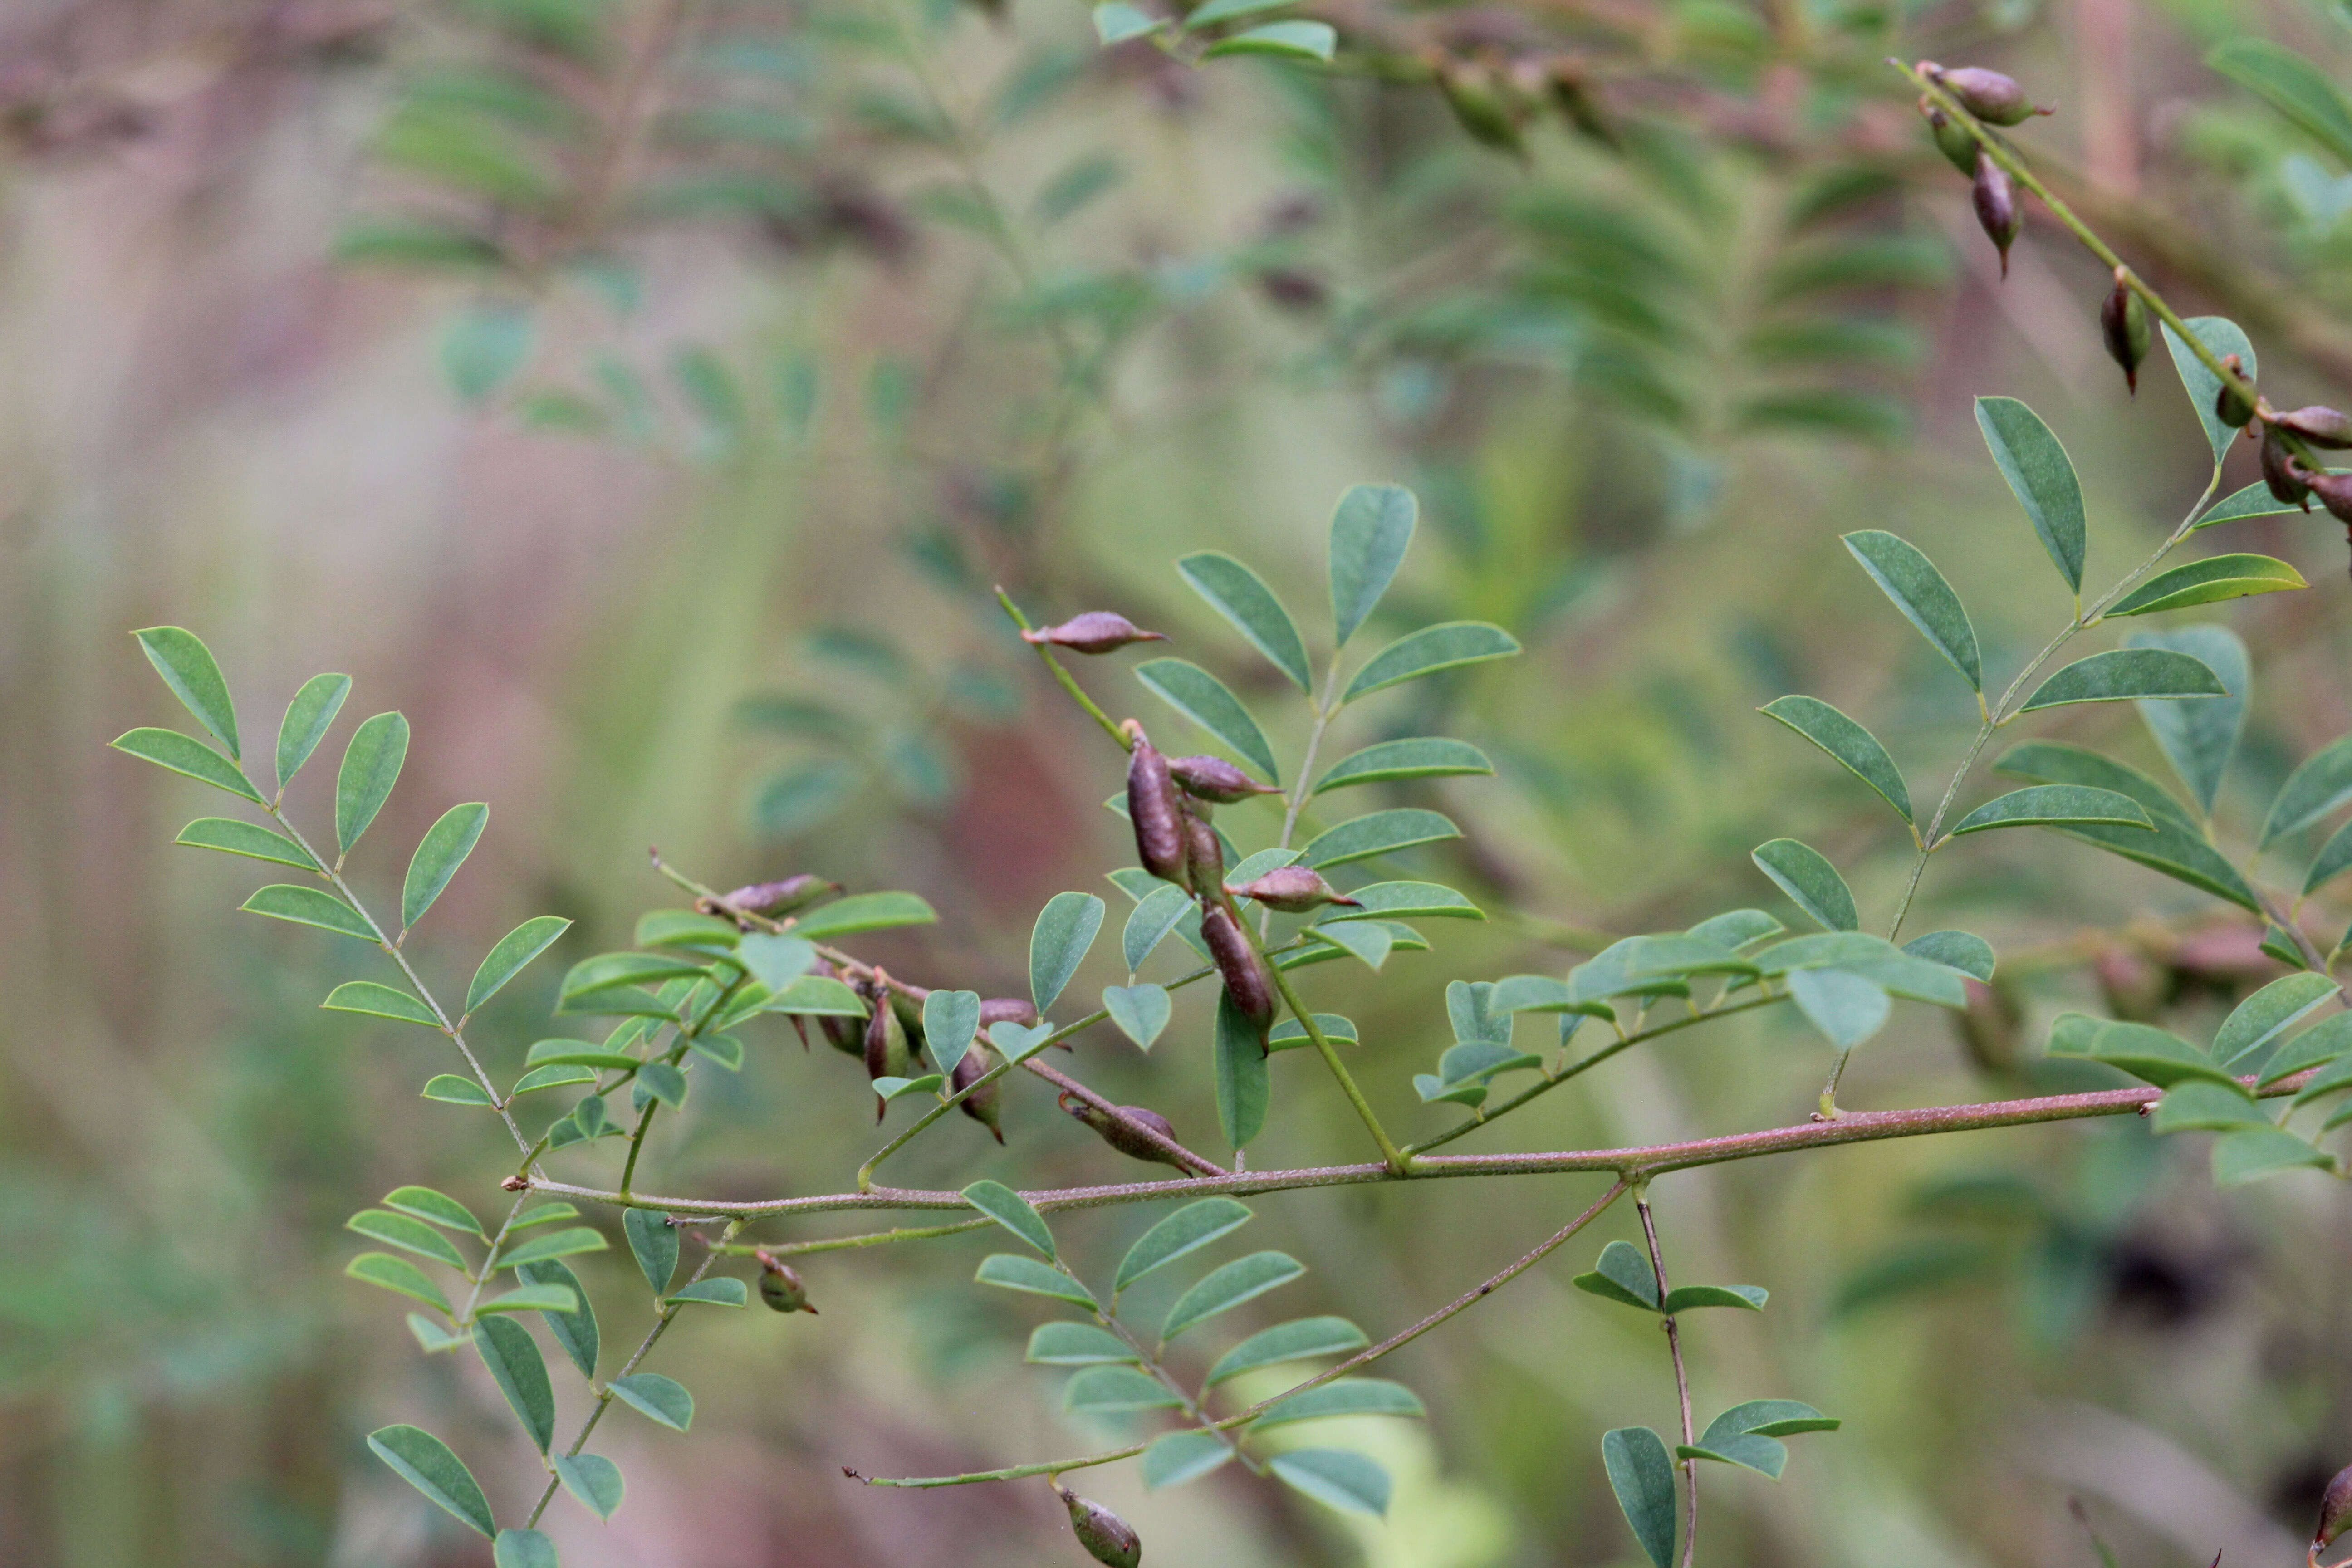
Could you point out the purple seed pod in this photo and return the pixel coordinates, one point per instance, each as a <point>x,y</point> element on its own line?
<point>1216,779</point>
<point>1204,858</point>
<point>2334,490</point>
<point>1995,202</point>
<point>1097,631</point>
<point>2123,323</point>
<point>1952,139</point>
<point>1122,1135</point>
<point>2319,426</point>
<point>1156,813</point>
<point>2230,405</point>
<point>887,1053</point>
<point>1295,889</point>
<point>780,1287</point>
<point>1993,98</point>
<point>2286,477</point>
<point>2335,1511</point>
<point>1238,965</point>
<point>983,1105</point>
<point>774,898</point>
<point>846,1036</point>
<point>1007,1010</point>
<point>1108,1539</point>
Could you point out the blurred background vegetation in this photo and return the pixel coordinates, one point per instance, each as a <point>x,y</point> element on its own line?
<point>645,395</point>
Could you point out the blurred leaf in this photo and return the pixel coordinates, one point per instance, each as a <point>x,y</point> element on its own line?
<point>2200,738</point>
<point>1735,928</point>
<point>1826,411</point>
<point>1204,700</point>
<point>1228,1286</point>
<point>2041,476</point>
<point>424,1462</point>
<point>2252,1029</point>
<point>799,799</point>
<point>1812,883</point>
<point>593,1478</point>
<point>1447,645</point>
<point>1058,944</point>
<point>2222,336</point>
<point>523,1549</point>
<point>1964,950</point>
<point>1643,1480</point>
<point>1242,597</point>
<point>2334,859</point>
<point>1086,178</point>
<point>863,912</point>
<point>1848,743</point>
<point>2262,1152</point>
<point>1141,1011</point>
<point>188,667</point>
<point>2291,84</point>
<point>1336,1478</point>
<point>233,837</point>
<point>1107,1390</point>
<point>1016,1272</point>
<point>484,346</point>
<point>1011,1210</point>
<point>403,242</point>
<point>2177,848</point>
<point>2142,1050</point>
<point>1380,832</point>
<point>661,1081</point>
<point>1285,40</point>
<point>187,757</point>
<point>1186,1231</point>
<point>1887,261</point>
<point>309,907</point>
<point>1064,1343</point>
<point>438,854</point>
<point>513,1358</point>
<point>1115,23</point>
<point>397,1274</point>
<point>2123,674</point>
<point>371,766</point>
<point>657,1397</point>
<point>2320,785</point>
<point>575,1330</point>
<point>2053,806</point>
<point>653,1241</point>
<point>1175,1458</point>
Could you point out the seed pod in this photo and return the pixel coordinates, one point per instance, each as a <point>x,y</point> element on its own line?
<point>1122,1135</point>
<point>780,1287</point>
<point>983,1105</point>
<point>1156,813</point>
<point>1952,139</point>
<point>1097,631</point>
<point>2319,426</point>
<point>1204,858</point>
<point>2335,1510</point>
<point>1007,1010</point>
<point>1238,965</point>
<point>1993,98</point>
<point>910,1019</point>
<point>1216,779</point>
<point>1108,1539</point>
<point>2284,476</point>
<point>2229,407</point>
<point>887,1053</point>
<point>1995,202</point>
<point>846,1036</point>
<point>774,898</point>
<point>1295,889</point>
<point>2123,323</point>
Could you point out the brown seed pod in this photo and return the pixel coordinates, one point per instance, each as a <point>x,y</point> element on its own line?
<point>1952,139</point>
<point>1155,812</point>
<point>1993,98</point>
<point>846,1036</point>
<point>1108,1539</point>
<point>2229,407</point>
<point>2319,426</point>
<point>1216,779</point>
<point>1238,965</point>
<point>1097,631</point>
<point>771,899</point>
<point>1120,1135</point>
<point>1996,203</point>
<point>780,1287</point>
<point>985,1104</point>
<point>1295,889</point>
<point>2335,1510</point>
<point>887,1052</point>
<point>2285,477</point>
<point>2123,324</point>
<point>1204,858</point>
<point>1007,1010</point>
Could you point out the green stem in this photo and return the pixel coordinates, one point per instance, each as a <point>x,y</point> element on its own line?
<point>1397,1160</point>
<point>1681,1377</point>
<point>845,1243</point>
<point>490,1262</point>
<point>1069,682</point>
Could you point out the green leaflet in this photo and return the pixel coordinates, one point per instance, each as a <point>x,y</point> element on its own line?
<point>1447,645</point>
<point>862,912</point>
<point>1011,1210</point>
<point>594,1479</point>
<point>1642,1477</point>
<point>1336,1478</point>
<point>2206,582</point>
<point>1285,40</point>
<point>2176,848</point>
<point>379,1002</point>
<point>1113,1390</point>
<point>512,951</point>
<point>658,1398</point>
<point>424,1462</point>
<point>1243,1086</point>
<point>2290,83</point>
<point>1058,944</point>
<point>2320,785</point>
<point>2123,674</point>
<point>1204,700</point>
<point>187,757</point>
<point>1370,532</point>
<point>1813,884</point>
<point>1378,833</point>
<point>1227,1287</point>
<point>1175,1458</point>
<point>1190,1228</point>
<point>1844,1006</point>
<point>950,1024</point>
<point>1422,758</point>
<point>438,854</point>
<point>1239,595</point>
<point>2199,739</point>
<point>309,907</point>
<point>2041,476</point>
<point>2334,859</point>
<point>1848,743</point>
<point>1141,1011</point>
<point>2254,500</point>
<point>2054,805</point>
<point>372,763</point>
<point>2222,336</point>
<point>231,836</point>
<point>1344,1396</point>
<point>188,667</point>
<point>520,1373</point>
<point>1064,1343</point>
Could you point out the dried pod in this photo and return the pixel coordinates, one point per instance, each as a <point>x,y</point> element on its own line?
<point>2335,1510</point>
<point>2285,477</point>
<point>1295,889</point>
<point>773,899</point>
<point>1216,779</point>
<point>2317,424</point>
<point>1204,858</point>
<point>1995,202</point>
<point>2230,405</point>
<point>1952,139</point>
<point>1993,98</point>
<point>1238,965</point>
<point>1157,815</point>
<point>2123,323</point>
<point>1122,1135</point>
<point>1107,1538</point>
<point>780,1287</point>
<point>1097,631</point>
<point>887,1051</point>
<point>1480,105</point>
<point>985,1104</point>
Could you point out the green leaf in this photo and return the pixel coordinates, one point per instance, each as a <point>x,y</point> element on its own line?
<point>1175,1458</point>
<point>1964,950</point>
<point>593,1478</point>
<point>2324,1041</point>
<point>2200,738</point>
<point>1011,1210</point>
<point>2252,1029</point>
<point>438,1207</point>
<point>1812,883</point>
<point>1150,920</point>
<point>1848,743</point>
<point>564,1243</point>
<point>1370,532</point>
<point>708,933</point>
<point>2126,674</point>
<point>187,757</point>
<point>1336,1478</point>
<point>2320,785</point>
<point>1064,1343</point>
<point>438,854</point>
<point>432,1338</point>
<point>816,996</point>
<point>542,1213</point>
<point>1621,1275</point>
<point>1477,1061</point>
<point>1301,1339</point>
<point>1773,1419</point>
<point>2335,1079</point>
<point>1925,598</point>
<point>307,719</point>
<point>1735,928</point>
<point>451,1089</point>
<point>1116,22</point>
<point>1846,1007</point>
<point>1141,1011</point>
<point>1290,1033</point>
<point>2289,82</point>
<point>1378,833</point>
<point>512,951</point>
<point>372,763</point>
<point>1642,1477</point>
<point>609,971</point>
<point>1405,900</point>
<point>2223,337</point>
<point>1204,700</point>
<point>2261,1151</point>
<point>891,1088</point>
<point>574,1329</point>
<point>657,1397</point>
<point>1447,645</point>
<point>1058,942</point>
<point>723,1292</point>
<point>1216,11</point>
<point>565,1052</point>
<point>523,1549</point>
<point>309,907</point>
<point>722,1050</point>
<point>1227,1287</point>
<point>2210,581</point>
<point>1684,1298</point>
<point>1425,758</point>
<point>379,1002</point>
<point>188,667</point>
<point>233,837</point>
<point>1252,867</point>
<point>516,1366</point>
<point>662,1081</point>
<point>2052,805</point>
<point>1186,1231</point>
<point>1432,1091</point>
<point>2177,846</point>
<point>1239,595</point>
<point>1111,1390</point>
<point>397,1274</point>
<point>862,912</point>
<point>1286,40</point>
<point>542,1298</point>
<point>950,1024</point>
<point>1019,1042</point>
<point>2145,1052</point>
<point>424,1462</point>
<point>407,1233</point>
<point>2254,500</point>
<point>2042,478</point>
<point>2334,857</point>
<point>653,1242</point>
<point>1344,1396</point>
<point>2197,1106</point>
<point>1019,1271</point>
<point>1370,941</point>
<point>1245,1088</point>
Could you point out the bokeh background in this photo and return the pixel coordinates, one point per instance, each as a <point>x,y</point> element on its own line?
<point>644,396</point>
